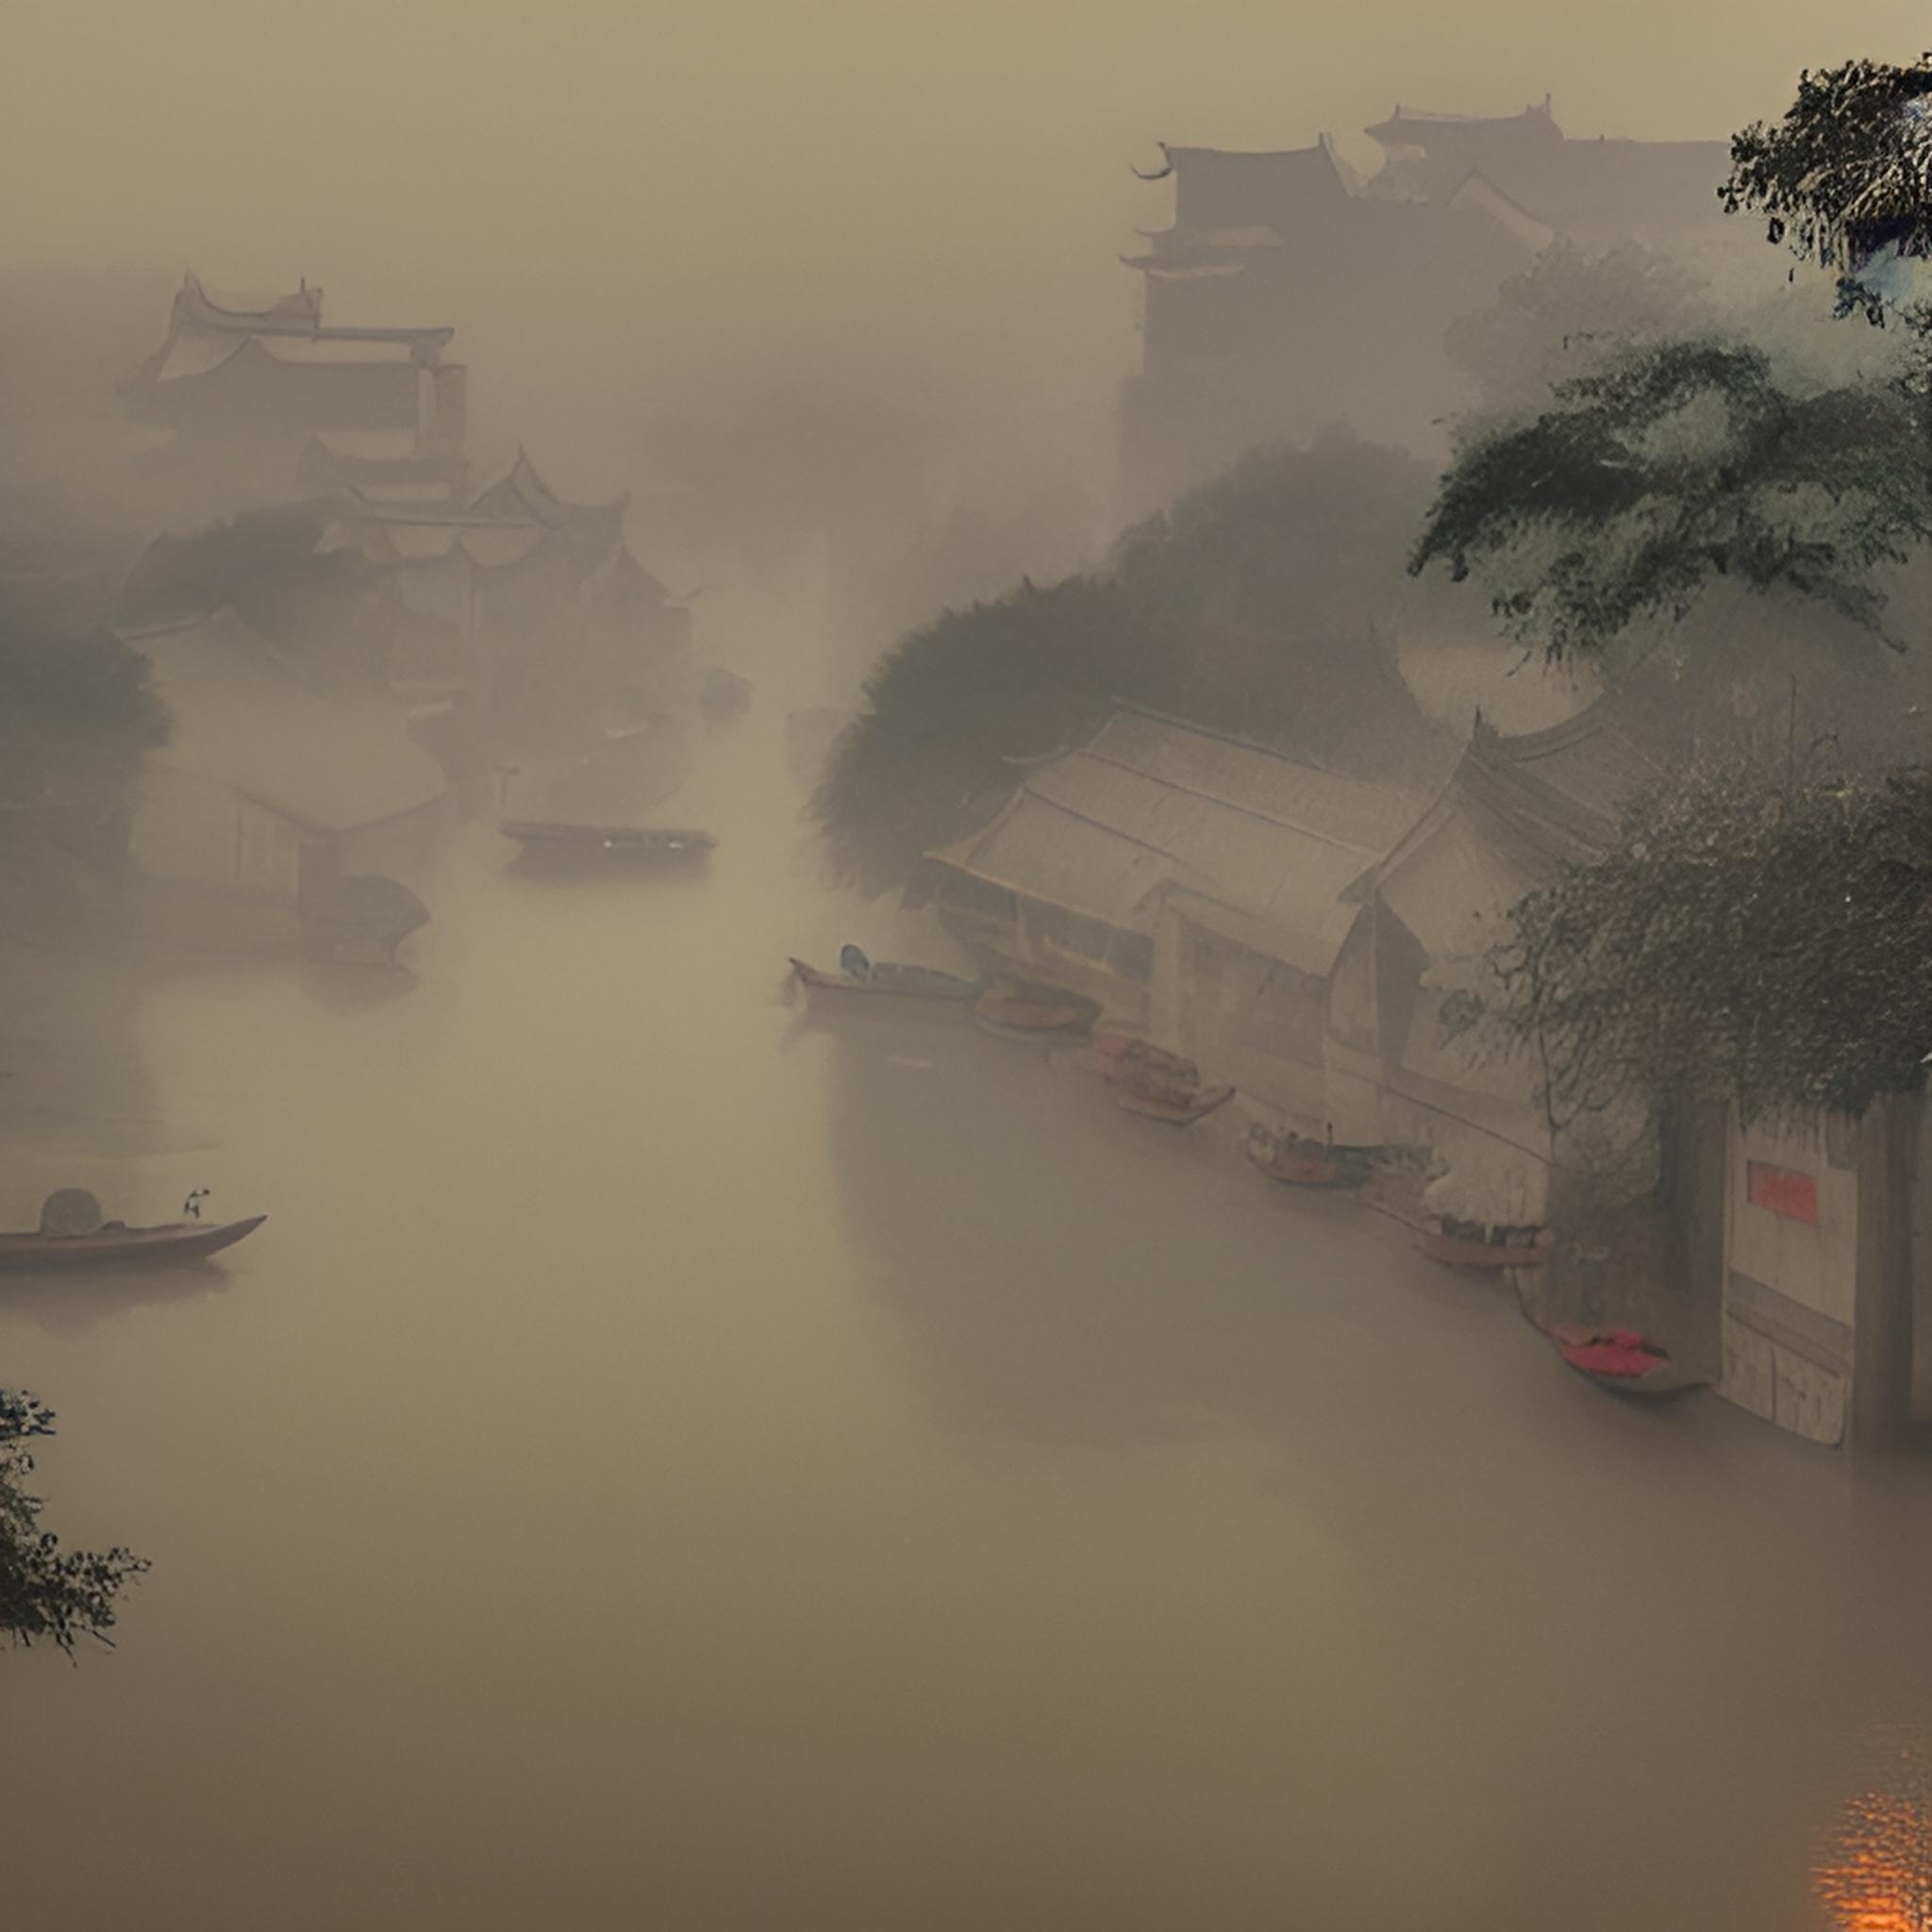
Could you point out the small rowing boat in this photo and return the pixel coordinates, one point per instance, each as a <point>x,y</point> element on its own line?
<point>1125,1057</point>
<point>858,975</point>
<point>1179,1106</point>
<point>114,1243</point>
<point>1474,1249</point>
<point>647,841</point>
<point>1298,1162</point>
<point>1620,1360</point>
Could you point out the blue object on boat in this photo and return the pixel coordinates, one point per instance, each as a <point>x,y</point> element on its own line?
<point>852,964</point>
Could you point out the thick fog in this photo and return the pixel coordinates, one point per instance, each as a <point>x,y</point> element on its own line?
<point>621,206</point>
<point>678,1454</point>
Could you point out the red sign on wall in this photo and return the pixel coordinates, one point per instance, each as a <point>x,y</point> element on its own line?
<point>1783,1191</point>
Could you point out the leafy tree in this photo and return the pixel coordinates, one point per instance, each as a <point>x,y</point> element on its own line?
<point>1672,466</point>
<point>1844,179</point>
<point>955,712</point>
<point>1567,310</point>
<point>47,1594</point>
<point>266,564</point>
<point>1261,604</point>
<point>1746,938</point>
<point>1690,460</point>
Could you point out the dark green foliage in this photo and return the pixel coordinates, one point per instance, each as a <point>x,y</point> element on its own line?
<point>48,1594</point>
<point>1268,599</point>
<point>1683,461</point>
<point>950,710</point>
<point>1747,940</point>
<point>1845,178</point>
<point>1561,315</point>
<point>1673,467</point>
<point>1261,604</point>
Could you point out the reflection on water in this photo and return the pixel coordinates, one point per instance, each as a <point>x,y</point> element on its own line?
<point>338,988</point>
<point>68,1301</point>
<point>1877,1875</point>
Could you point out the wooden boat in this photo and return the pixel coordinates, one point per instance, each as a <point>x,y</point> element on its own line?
<point>896,982</point>
<point>651,842</point>
<point>114,1244</point>
<point>1028,1015</point>
<point>1302,1163</point>
<point>1180,1107</point>
<point>1465,1245</point>
<point>1620,1360</point>
<point>1125,1057</point>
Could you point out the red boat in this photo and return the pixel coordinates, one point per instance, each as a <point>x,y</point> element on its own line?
<point>115,1244</point>
<point>1179,1106</point>
<point>1620,1360</point>
<point>1477,1250</point>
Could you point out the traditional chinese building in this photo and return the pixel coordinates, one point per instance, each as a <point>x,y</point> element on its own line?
<point>1192,883</point>
<point>1288,291</point>
<point>267,794</point>
<point>234,396</point>
<point>519,599</point>
<point>1522,168</point>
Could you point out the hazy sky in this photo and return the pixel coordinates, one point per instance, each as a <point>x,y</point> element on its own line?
<point>616,201</point>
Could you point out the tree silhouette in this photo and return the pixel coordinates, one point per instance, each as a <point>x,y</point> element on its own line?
<point>48,1594</point>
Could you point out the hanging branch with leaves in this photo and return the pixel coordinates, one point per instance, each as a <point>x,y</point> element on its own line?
<point>46,1593</point>
<point>1844,178</point>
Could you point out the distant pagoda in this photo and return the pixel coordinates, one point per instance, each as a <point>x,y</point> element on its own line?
<point>247,391</point>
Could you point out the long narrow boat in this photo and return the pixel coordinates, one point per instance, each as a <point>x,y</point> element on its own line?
<point>1302,1163</point>
<point>640,840</point>
<point>115,1246</point>
<point>1480,1256</point>
<point>1620,1360</point>
<point>1029,1016</point>
<point>884,978</point>
<point>1177,1107</point>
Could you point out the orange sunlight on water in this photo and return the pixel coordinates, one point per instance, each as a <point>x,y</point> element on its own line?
<point>1879,1874</point>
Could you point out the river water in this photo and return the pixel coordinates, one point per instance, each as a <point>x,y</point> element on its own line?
<point>670,1462</point>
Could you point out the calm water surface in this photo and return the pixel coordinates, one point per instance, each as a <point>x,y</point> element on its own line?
<point>669,1463</point>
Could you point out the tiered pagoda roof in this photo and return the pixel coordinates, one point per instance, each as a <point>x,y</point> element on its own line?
<point>205,334</point>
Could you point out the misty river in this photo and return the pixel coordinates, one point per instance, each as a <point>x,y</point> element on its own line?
<point>674,1460</point>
